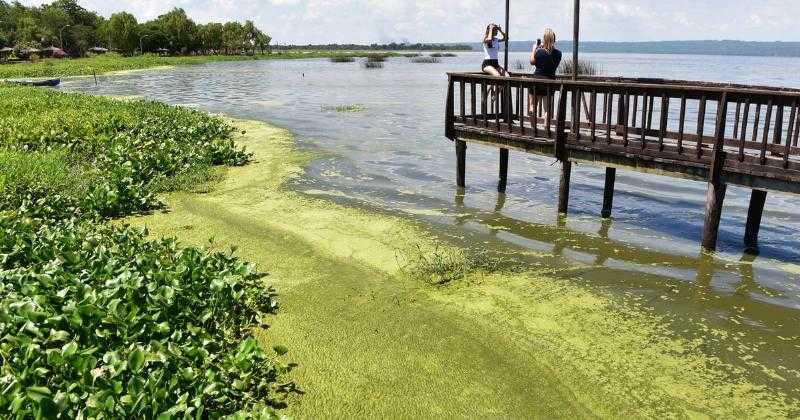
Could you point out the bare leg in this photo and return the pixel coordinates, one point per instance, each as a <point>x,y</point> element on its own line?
<point>493,71</point>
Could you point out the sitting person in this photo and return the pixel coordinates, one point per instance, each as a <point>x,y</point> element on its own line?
<point>491,48</point>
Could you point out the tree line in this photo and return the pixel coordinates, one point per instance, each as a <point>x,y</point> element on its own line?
<point>65,24</point>
<point>379,47</point>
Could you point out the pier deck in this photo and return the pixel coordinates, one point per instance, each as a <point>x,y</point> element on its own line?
<point>720,134</point>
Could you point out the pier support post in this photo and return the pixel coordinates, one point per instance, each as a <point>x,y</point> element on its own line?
<point>714,200</point>
<point>716,184</point>
<point>461,163</point>
<point>756,209</point>
<point>563,188</point>
<point>608,192</point>
<point>501,185</point>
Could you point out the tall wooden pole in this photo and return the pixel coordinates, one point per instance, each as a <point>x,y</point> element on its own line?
<point>575,38</point>
<point>505,62</point>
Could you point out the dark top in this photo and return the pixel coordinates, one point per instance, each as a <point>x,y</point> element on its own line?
<point>547,63</point>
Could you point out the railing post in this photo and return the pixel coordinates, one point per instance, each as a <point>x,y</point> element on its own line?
<point>716,186</point>
<point>449,123</point>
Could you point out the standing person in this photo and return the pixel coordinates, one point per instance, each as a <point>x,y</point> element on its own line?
<point>546,57</point>
<point>491,48</point>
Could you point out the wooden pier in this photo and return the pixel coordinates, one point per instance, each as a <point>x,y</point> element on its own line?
<point>717,133</point>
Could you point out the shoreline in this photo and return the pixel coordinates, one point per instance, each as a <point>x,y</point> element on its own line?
<point>111,64</point>
<point>370,341</point>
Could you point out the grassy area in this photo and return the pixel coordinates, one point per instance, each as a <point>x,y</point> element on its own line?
<point>385,321</point>
<point>97,320</point>
<point>113,62</point>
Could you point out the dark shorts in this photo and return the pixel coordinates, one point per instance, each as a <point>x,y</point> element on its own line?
<point>492,63</point>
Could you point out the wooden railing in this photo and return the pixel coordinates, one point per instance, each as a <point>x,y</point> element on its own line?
<point>752,130</point>
<point>746,135</point>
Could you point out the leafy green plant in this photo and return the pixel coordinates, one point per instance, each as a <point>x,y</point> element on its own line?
<point>101,322</point>
<point>97,320</point>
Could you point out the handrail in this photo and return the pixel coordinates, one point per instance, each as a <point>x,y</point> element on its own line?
<point>633,83</point>
<point>654,121</point>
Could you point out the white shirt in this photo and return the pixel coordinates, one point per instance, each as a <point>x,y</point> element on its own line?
<point>493,52</point>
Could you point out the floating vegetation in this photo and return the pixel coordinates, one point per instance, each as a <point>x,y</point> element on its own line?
<point>411,55</point>
<point>377,58</point>
<point>585,68</point>
<point>425,60</point>
<point>440,55</point>
<point>98,320</point>
<point>342,59</point>
<point>372,65</point>
<point>441,265</point>
<point>345,108</point>
<point>522,66</point>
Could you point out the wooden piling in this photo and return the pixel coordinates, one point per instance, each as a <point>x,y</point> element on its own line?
<point>501,185</point>
<point>714,200</point>
<point>716,185</point>
<point>608,192</point>
<point>461,163</point>
<point>757,200</point>
<point>563,188</point>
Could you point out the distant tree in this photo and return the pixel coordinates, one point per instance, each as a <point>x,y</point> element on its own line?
<point>180,29</point>
<point>37,26</point>
<point>153,36</point>
<point>250,33</point>
<point>123,31</point>
<point>233,36</point>
<point>211,37</point>
<point>262,41</point>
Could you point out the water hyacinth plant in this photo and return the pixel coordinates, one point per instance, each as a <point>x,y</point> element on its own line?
<point>96,319</point>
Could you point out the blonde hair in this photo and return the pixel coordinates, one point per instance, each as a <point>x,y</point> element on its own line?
<point>549,40</point>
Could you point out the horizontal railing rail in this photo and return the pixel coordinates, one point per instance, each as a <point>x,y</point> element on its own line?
<point>733,129</point>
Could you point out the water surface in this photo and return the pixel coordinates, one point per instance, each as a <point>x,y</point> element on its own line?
<point>392,155</point>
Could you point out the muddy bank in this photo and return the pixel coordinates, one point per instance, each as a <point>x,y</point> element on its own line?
<point>371,341</point>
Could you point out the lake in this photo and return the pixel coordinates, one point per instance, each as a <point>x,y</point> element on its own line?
<point>391,155</point>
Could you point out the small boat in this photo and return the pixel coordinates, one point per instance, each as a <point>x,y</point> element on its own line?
<point>48,82</point>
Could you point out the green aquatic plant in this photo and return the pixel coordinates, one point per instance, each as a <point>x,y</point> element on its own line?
<point>99,321</point>
<point>585,68</point>
<point>342,59</point>
<point>96,319</point>
<point>425,60</point>
<point>376,58</point>
<point>348,108</point>
<point>445,55</point>
<point>441,265</point>
<point>373,65</point>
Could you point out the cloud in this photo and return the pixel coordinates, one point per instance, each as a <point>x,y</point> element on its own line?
<point>366,21</point>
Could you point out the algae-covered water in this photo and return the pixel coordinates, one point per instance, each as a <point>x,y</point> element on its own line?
<point>621,317</point>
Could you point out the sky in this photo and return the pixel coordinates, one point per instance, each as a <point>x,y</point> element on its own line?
<point>381,21</point>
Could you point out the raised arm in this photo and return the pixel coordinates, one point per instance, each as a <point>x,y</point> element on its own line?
<point>505,38</point>
<point>533,55</point>
<point>487,38</point>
